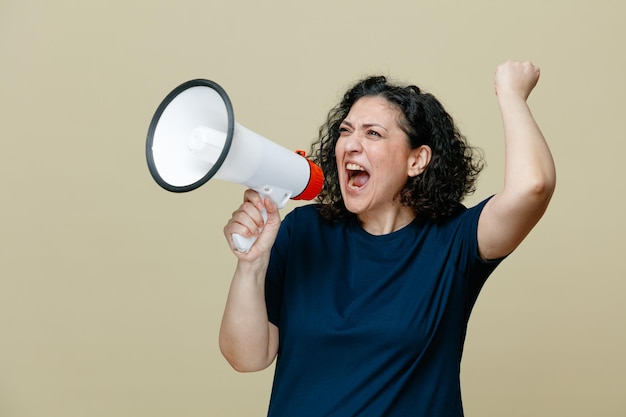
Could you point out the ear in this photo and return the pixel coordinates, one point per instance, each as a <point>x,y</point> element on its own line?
<point>419,160</point>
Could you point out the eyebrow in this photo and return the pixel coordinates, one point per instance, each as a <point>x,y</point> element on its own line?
<point>366,125</point>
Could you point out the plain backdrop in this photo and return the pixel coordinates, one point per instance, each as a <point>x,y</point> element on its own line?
<point>112,289</point>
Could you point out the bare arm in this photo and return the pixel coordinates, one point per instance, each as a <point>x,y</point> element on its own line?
<point>529,177</point>
<point>248,341</point>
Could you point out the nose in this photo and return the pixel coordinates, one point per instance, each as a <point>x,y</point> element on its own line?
<point>352,142</point>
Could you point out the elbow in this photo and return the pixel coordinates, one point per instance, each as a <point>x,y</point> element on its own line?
<point>243,363</point>
<point>546,185</point>
<point>244,366</point>
<point>531,193</point>
<point>539,191</point>
<point>247,369</point>
<point>543,188</point>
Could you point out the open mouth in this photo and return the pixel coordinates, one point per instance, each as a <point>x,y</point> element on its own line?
<point>357,176</point>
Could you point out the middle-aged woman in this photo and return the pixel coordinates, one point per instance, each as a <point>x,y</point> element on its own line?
<point>365,297</point>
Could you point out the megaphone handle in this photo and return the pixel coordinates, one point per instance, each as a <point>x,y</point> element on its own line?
<point>243,244</point>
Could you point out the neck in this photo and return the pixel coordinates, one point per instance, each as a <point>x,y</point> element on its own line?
<point>389,222</point>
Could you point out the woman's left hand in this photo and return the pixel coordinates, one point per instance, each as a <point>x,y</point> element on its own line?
<point>517,77</point>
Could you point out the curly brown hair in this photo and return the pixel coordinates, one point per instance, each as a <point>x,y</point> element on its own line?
<point>451,174</point>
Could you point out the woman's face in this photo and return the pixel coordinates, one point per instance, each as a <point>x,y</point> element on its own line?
<point>373,157</point>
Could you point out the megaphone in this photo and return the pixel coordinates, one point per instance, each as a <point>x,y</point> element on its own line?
<point>193,137</point>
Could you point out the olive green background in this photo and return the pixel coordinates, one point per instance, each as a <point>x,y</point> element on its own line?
<point>112,289</point>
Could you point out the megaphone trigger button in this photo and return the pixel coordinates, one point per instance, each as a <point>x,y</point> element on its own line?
<point>301,153</point>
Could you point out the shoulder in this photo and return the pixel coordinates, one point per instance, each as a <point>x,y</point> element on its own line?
<point>308,216</point>
<point>298,220</point>
<point>467,214</point>
<point>301,217</point>
<point>304,225</point>
<point>310,211</point>
<point>462,226</point>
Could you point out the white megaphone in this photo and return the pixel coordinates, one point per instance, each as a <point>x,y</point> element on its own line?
<point>193,137</point>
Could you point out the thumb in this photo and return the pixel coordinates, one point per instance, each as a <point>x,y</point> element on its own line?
<point>272,223</point>
<point>269,230</point>
<point>273,214</point>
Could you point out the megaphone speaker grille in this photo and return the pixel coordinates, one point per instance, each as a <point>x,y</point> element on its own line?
<point>190,135</point>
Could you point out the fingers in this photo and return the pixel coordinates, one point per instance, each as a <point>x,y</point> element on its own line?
<point>519,77</point>
<point>246,221</point>
<point>253,197</point>
<point>253,216</point>
<point>517,66</point>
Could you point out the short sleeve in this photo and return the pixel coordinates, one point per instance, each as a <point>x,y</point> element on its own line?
<point>274,279</point>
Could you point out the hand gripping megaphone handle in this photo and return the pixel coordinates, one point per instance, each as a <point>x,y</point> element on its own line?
<point>279,197</point>
<point>243,244</point>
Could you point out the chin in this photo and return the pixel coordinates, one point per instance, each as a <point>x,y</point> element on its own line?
<point>352,207</point>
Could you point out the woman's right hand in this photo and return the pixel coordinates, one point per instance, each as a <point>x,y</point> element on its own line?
<point>248,222</point>
<point>248,341</point>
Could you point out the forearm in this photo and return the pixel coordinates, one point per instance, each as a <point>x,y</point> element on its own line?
<point>245,338</point>
<point>529,173</point>
<point>529,176</point>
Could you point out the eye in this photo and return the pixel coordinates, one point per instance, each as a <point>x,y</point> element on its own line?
<point>343,130</point>
<point>374,133</point>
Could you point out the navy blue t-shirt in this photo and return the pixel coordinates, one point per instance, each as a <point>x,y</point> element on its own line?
<point>372,325</point>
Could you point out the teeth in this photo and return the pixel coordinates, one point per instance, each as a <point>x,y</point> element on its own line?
<point>354,167</point>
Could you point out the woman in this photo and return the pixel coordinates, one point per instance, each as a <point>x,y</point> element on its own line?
<point>365,297</point>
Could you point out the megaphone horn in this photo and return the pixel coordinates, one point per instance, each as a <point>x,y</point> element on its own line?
<point>193,137</point>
